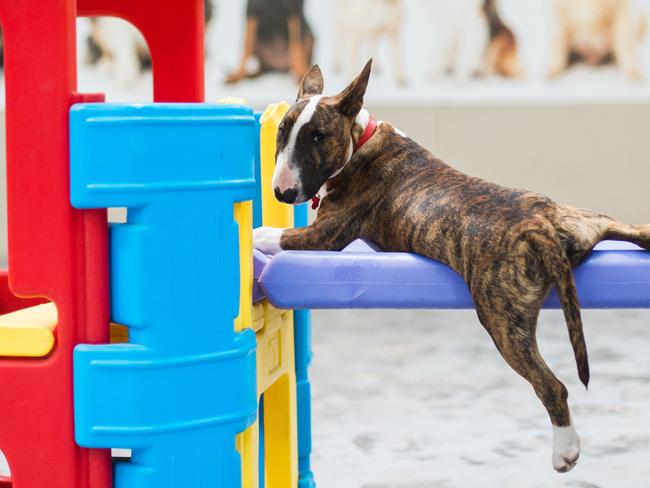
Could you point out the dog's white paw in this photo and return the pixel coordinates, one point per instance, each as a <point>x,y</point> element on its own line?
<point>267,239</point>
<point>566,448</point>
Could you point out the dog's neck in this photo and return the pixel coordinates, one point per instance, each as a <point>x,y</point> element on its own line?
<point>363,130</point>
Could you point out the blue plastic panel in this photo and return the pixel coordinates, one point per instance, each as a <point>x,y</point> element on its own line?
<point>616,275</point>
<point>186,384</point>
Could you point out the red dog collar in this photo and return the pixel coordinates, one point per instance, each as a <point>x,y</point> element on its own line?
<point>367,134</point>
<point>365,137</point>
<point>315,202</point>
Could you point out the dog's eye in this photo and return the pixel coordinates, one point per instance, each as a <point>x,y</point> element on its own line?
<point>281,131</point>
<point>319,137</point>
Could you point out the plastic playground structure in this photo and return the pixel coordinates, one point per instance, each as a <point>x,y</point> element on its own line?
<point>206,377</point>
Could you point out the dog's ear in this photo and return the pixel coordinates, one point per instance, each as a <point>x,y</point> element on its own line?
<point>350,100</point>
<point>312,83</point>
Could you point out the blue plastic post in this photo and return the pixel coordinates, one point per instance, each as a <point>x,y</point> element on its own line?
<point>302,340</point>
<point>185,385</point>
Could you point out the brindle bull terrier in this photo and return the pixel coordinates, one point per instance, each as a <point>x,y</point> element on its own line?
<point>511,246</point>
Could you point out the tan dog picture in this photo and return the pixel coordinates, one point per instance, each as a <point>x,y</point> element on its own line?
<point>596,32</point>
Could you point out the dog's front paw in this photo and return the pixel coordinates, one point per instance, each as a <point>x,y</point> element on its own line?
<point>267,239</point>
<point>566,448</point>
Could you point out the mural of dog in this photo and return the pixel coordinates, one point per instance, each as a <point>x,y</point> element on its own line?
<point>597,32</point>
<point>277,38</point>
<point>472,39</point>
<point>120,50</point>
<point>362,22</point>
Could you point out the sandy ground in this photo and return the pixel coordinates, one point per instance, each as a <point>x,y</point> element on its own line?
<point>423,400</point>
<point>413,399</point>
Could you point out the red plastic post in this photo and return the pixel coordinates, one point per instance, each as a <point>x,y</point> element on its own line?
<point>48,247</point>
<point>56,252</point>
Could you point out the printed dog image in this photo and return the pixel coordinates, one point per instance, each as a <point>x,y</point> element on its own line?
<point>473,40</point>
<point>367,22</point>
<point>278,37</point>
<point>597,32</point>
<point>511,246</point>
<point>120,50</point>
<point>502,54</point>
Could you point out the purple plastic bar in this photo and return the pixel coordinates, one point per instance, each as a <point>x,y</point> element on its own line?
<point>616,275</point>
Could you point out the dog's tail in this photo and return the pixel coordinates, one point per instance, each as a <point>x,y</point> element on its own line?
<point>556,264</point>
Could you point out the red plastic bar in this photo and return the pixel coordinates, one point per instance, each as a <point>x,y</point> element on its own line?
<point>174,31</point>
<point>48,243</point>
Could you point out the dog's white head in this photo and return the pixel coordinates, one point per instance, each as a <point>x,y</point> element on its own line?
<point>316,138</point>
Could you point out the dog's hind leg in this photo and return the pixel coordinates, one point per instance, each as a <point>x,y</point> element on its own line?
<point>512,324</point>
<point>637,234</point>
<point>584,229</point>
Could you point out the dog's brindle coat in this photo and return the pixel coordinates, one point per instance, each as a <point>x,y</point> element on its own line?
<point>511,246</point>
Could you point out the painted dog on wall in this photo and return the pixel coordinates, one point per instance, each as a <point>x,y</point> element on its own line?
<point>473,40</point>
<point>511,246</point>
<point>364,22</point>
<point>597,32</point>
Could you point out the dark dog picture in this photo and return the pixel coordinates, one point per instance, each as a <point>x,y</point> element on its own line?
<point>277,37</point>
<point>511,246</point>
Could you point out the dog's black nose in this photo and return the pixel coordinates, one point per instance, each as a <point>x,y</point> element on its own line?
<point>287,196</point>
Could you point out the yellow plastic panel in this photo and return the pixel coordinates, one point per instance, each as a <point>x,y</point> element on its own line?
<point>281,433</point>
<point>259,316</point>
<point>275,352</point>
<point>248,444</point>
<point>274,213</point>
<point>244,218</point>
<point>243,215</point>
<point>276,378</point>
<point>275,348</point>
<point>28,332</point>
